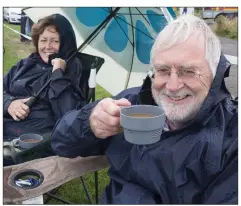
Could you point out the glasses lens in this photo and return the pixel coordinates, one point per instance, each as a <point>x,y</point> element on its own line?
<point>186,73</point>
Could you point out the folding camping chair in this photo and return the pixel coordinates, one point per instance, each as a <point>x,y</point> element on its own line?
<point>50,172</point>
<point>91,66</point>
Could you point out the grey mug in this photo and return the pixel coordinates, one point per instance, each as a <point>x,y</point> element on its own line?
<point>142,124</point>
<point>27,141</point>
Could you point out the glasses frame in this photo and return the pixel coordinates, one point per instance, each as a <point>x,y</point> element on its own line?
<point>152,70</point>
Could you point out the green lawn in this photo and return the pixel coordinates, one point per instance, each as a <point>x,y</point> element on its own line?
<point>72,191</point>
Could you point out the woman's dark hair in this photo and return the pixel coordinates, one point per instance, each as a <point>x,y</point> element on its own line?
<point>38,29</point>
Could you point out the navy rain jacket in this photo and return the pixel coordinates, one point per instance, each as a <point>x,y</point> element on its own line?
<point>29,75</point>
<point>197,164</point>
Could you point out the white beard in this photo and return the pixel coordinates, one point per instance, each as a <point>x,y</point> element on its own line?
<point>181,113</point>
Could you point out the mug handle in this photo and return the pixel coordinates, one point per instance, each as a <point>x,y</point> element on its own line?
<point>15,142</point>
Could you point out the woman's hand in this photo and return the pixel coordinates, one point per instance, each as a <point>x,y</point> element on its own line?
<point>58,63</point>
<point>18,109</point>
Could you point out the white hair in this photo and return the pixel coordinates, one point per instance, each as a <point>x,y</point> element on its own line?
<point>179,30</point>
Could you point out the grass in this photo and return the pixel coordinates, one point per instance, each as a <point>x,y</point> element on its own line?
<point>226,28</point>
<point>72,191</point>
<point>14,49</point>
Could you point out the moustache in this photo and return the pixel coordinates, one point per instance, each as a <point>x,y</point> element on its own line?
<point>181,93</point>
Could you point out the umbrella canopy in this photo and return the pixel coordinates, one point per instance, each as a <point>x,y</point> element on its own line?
<point>122,35</point>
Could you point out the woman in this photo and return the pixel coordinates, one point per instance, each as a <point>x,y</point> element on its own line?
<point>51,35</point>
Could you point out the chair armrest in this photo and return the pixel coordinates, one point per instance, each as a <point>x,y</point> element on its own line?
<point>56,171</point>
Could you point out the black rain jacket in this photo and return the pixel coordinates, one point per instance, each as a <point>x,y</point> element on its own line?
<point>28,76</point>
<point>196,164</point>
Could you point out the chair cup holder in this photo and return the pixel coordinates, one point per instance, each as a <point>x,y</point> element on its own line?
<point>28,179</point>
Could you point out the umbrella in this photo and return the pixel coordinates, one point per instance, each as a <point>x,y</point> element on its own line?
<point>123,36</point>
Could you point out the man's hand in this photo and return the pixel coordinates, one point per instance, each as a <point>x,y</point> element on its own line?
<point>58,63</point>
<point>18,110</point>
<point>105,117</point>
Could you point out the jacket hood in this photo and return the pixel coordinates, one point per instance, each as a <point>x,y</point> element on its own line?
<point>217,92</point>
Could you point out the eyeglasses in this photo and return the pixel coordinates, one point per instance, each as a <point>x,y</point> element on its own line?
<point>182,73</point>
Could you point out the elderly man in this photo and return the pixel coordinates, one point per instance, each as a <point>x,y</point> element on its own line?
<point>195,161</point>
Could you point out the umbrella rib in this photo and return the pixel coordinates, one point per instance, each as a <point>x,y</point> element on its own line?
<point>135,28</point>
<point>123,31</point>
<point>128,77</point>
<point>109,10</point>
<point>97,33</point>
<point>142,15</point>
<point>98,29</point>
<point>116,15</point>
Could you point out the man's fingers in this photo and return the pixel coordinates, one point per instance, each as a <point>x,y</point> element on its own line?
<point>104,133</point>
<point>112,107</point>
<point>109,107</point>
<point>107,119</point>
<point>104,126</point>
<point>122,102</point>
